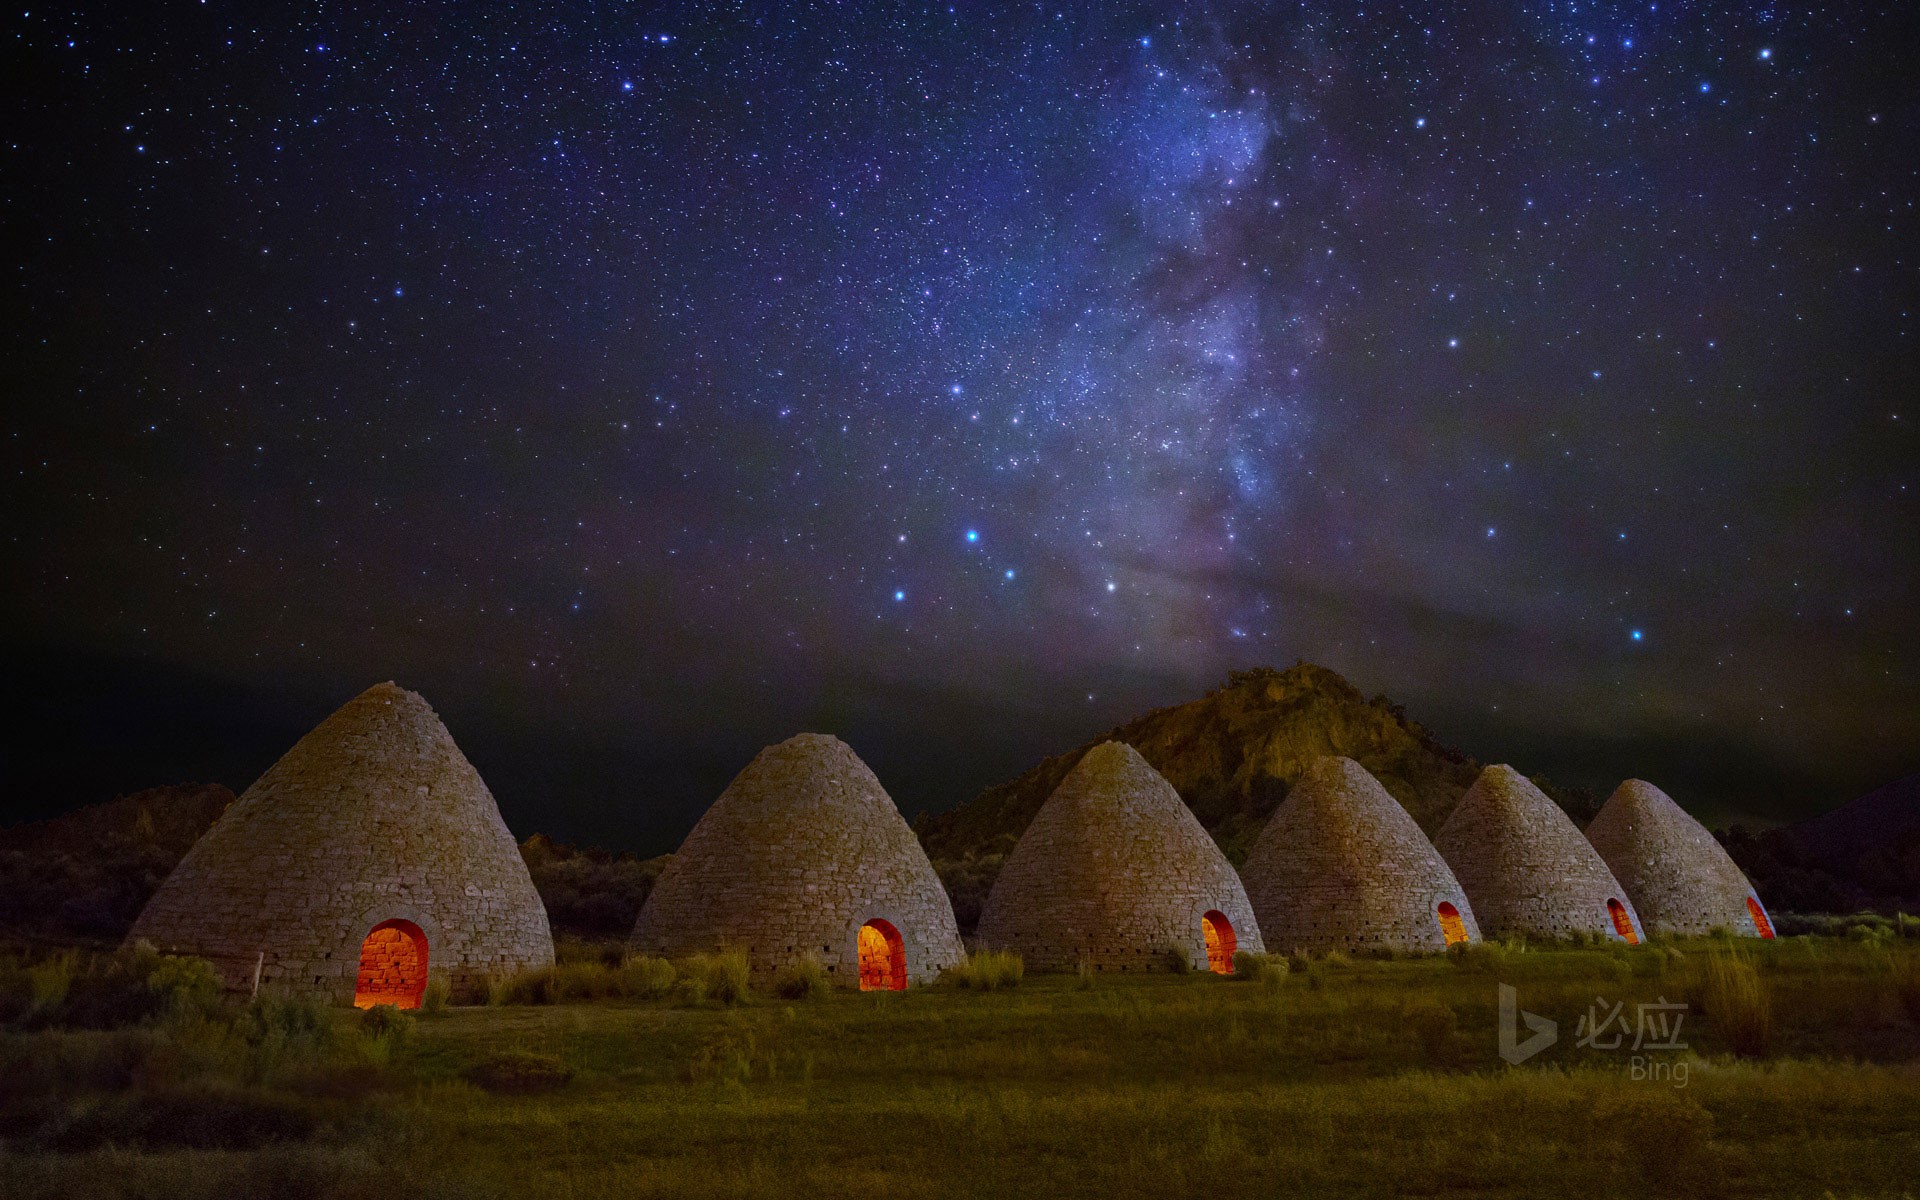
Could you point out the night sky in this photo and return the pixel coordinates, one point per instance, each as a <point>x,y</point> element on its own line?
<point>645,384</point>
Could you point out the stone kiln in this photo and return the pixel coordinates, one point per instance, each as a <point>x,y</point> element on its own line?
<point>1116,874</point>
<point>1341,866</point>
<point>1526,867</point>
<point>1676,874</point>
<point>804,855</point>
<point>369,856</point>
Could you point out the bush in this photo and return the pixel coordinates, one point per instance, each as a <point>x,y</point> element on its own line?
<point>642,977</point>
<point>801,979</point>
<point>1178,962</point>
<point>185,987</point>
<point>1270,969</point>
<point>517,1072</point>
<point>388,1025</point>
<point>1434,1027</point>
<point>1478,957</point>
<point>433,1001</point>
<point>721,976</point>
<point>105,991</point>
<point>986,971</point>
<point>1735,1001</point>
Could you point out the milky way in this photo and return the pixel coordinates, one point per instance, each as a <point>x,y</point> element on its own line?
<point>646,384</point>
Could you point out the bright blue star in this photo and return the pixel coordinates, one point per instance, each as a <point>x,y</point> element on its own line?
<point>1766,52</point>
<point>899,595</point>
<point>1637,635</point>
<point>1489,531</point>
<point>1009,572</point>
<point>973,535</point>
<point>1706,87</point>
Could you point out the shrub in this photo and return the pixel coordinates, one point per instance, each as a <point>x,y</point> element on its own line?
<point>1178,962</point>
<point>1433,1025</point>
<point>185,987</point>
<point>518,1072</point>
<point>385,1023</point>
<point>986,971</point>
<point>49,981</point>
<point>642,977</point>
<point>1735,1000</point>
<point>801,979</point>
<point>433,1001</point>
<point>1270,969</point>
<point>721,975</point>
<point>1478,957</point>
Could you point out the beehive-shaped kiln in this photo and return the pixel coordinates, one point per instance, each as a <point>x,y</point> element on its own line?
<point>1341,866</point>
<point>1115,874</point>
<point>805,855</point>
<point>1526,867</point>
<point>368,858</point>
<point>1676,874</point>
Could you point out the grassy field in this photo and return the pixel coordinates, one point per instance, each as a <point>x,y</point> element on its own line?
<point>1371,1077</point>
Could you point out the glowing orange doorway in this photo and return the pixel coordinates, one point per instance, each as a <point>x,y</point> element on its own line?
<point>1218,931</point>
<point>1759,915</point>
<point>1622,923</point>
<point>1451,926</point>
<point>883,958</point>
<point>393,966</point>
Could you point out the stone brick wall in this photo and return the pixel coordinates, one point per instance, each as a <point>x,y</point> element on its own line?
<point>1341,866</point>
<point>374,816</point>
<point>1677,876</point>
<point>1114,872</point>
<point>801,850</point>
<point>391,971</point>
<point>1525,865</point>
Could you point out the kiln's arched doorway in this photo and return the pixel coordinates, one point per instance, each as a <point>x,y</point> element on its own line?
<point>1451,926</point>
<point>1221,944</point>
<point>1622,923</point>
<point>883,958</point>
<point>393,966</point>
<point>1760,923</point>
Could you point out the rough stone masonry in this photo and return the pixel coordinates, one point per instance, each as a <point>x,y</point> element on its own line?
<point>374,816</point>
<point>802,849</point>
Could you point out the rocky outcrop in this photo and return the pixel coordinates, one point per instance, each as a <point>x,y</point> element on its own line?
<point>1115,874</point>
<point>1341,866</point>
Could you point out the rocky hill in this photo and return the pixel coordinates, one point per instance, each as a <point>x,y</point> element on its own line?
<point>1232,755</point>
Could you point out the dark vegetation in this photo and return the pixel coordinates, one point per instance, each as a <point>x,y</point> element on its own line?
<point>85,876</point>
